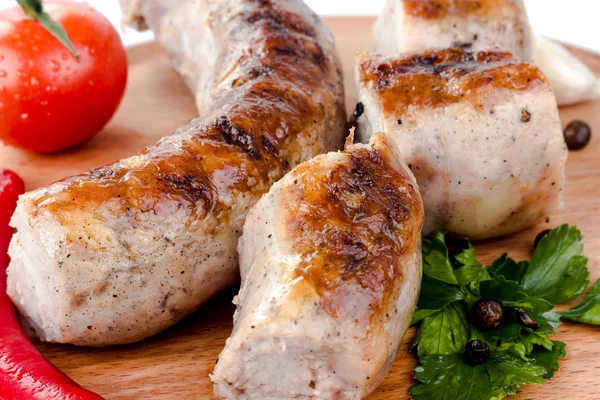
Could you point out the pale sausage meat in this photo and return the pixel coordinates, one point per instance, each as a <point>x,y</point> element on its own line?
<point>412,25</point>
<point>480,131</point>
<point>331,268</point>
<point>122,252</point>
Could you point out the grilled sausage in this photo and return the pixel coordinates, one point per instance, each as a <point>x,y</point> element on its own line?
<point>331,269</point>
<point>480,130</point>
<point>122,252</point>
<point>413,25</point>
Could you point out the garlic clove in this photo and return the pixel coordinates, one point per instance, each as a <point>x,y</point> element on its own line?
<point>572,81</point>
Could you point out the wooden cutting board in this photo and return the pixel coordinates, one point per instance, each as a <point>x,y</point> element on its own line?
<point>176,364</point>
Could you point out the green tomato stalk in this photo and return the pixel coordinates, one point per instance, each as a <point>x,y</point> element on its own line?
<point>34,9</point>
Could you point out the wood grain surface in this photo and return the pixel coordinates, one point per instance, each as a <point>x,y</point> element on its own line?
<point>176,363</point>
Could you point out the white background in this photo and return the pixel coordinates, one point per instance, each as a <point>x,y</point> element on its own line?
<point>573,21</point>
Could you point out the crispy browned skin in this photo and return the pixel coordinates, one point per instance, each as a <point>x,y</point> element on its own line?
<point>438,78</point>
<point>137,245</point>
<point>480,130</point>
<point>273,95</point>
<point>331,268</point>
<point>353,225</point>
<point>438,9</point>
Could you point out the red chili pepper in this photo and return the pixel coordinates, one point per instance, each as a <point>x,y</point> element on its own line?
<point>24,373</point>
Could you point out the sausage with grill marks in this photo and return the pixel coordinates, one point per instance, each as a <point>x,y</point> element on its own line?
<point>122,252</point>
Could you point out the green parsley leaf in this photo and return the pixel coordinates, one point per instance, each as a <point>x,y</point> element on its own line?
<point>446,377</point>
<point>501,393</point>
<point>548,358</point>
<point>532,339</point>
<point>467,256</point>
<point>509,268</point>
<point>445,332</point>
<point>420,315</point>
<point>557,271</point>
<point>503,291</point>
<point>520,354</point>
<point>507,370</point>
<point>472,270</point>
<point>436,263</point>
<point>506,332</point>
<point>588,311</point>
<point>511,294</point>
<point>549,321</point>
<point>436,295</point>
<point>523,344</point>
<point>511,329</point>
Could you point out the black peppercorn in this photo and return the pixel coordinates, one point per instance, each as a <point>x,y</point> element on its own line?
<point>487,314</point>
<point>477,352</point>
<point>540,236</point>
<point>359,110</point>
<point>526,321</point>
<point>525,115</point>
<point>577,135</point>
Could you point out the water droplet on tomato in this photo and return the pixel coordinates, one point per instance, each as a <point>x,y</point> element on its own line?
<point>55,65</point>
<point>34,81</point>
<point>24,116</point>
<point>64,56</point>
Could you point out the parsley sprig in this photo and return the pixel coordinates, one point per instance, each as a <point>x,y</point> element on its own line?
<point>521,353</point>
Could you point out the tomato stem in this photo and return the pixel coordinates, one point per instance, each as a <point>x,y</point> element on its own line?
<point>34,9</point>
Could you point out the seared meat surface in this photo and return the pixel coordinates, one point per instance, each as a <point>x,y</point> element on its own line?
<point>120,253</point>
<point>480,131</point>
<point>412,25</point>
<point>331,269</point>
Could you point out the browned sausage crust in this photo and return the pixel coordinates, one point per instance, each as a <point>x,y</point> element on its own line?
<point>330,261</point>
<point>352,225</point>
<point>438,9</point>
<point>438,78</point>
<point>406,26</point>
<point>255,137</point>
<point>479,129</point>
<point>157,232</point>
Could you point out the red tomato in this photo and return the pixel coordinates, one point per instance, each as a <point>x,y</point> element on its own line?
<point>49,100</point>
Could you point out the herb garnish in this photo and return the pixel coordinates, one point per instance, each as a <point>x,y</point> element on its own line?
<point>520,352</point>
